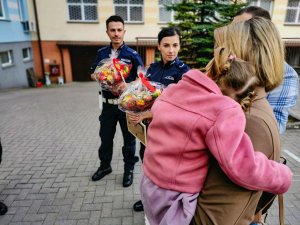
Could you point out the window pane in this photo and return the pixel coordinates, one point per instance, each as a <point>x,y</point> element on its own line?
<point>74,1</point>
<point>90,1</point>
<point>75,12</point>
<point>120,1</point>
<point>140,2</point>
<point>266,4</point>
<point>294,3</point>
<point>122,11</point>
<point>165,2</point>
<point>4,57</point>
<point>1,10</point>
<point>254,2</point>
<point>25,53</point>
<point>90,12</point>
<point>164,15</point>
<point>136,14</point>
<point>290,15</point>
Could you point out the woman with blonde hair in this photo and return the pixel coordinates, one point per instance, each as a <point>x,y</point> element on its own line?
<point>258,42</point>
<point>192,121</point>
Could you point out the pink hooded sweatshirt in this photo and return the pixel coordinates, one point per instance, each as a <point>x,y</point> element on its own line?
<point>193,120</point>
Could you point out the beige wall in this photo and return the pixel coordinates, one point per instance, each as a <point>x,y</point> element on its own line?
<point>53,16</point>
<point>278,17</point>
<point>54,26</point>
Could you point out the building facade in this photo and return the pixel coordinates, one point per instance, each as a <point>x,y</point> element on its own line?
<point>71,32</point>
<point>286,16</point>
<point>66,34</point>
<point>15,44</point>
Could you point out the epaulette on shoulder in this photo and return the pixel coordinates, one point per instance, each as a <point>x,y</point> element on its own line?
<point>180,64</point>
<point>132,51</point>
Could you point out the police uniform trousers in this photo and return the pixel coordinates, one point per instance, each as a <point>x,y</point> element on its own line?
<point>109,118</point>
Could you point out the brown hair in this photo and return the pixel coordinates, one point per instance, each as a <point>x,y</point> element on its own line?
<point>255,11</point>
<point>234,75</point>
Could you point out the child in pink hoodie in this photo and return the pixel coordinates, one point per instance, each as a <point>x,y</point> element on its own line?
<point>192,121</point>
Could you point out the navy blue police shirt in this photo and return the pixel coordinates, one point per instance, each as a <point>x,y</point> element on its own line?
<point>125,54</point>
<point>168,73</point>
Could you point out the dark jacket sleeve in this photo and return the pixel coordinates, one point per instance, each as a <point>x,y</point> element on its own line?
<point>0,151</point>
<point>96,61</point>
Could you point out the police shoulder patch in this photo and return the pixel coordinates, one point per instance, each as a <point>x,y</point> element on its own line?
<point>132,51</point>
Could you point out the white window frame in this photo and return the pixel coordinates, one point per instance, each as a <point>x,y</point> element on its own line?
<point>172,12</point>
<point>20,8</point>
<point>28,51</point>
<point>10,59</point>
<point>2,10</point>
<point>82,6</point>
<point>297,8</point>
<point>128,5</point>
<point>258,3</point>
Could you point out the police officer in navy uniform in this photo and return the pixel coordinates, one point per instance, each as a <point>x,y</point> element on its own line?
<point>111,114</point>
<point>168,70</point>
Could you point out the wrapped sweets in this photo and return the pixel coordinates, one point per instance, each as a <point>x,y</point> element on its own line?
<point>139,95</point>
<point>110,73</point>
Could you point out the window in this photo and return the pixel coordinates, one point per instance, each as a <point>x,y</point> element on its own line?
<point>166,16</point>
<point>21,8</point>
<point>265,4</point>
<point>6,58</point>
<point>293,12</point>
<point>2,15</point>
<point>130,10</point>
<point>26,52</point>
<point>82,10</point>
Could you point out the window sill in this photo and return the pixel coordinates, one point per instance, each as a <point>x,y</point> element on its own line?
<point>27,60</point>
<point>82,21</point>
<point>291,24</point>
<point>164,23</point>
<point>134,23</point>
<point>7,66</point>
<point>5,19</point>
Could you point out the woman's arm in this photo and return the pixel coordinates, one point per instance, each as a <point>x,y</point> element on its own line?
<point>234,152</point>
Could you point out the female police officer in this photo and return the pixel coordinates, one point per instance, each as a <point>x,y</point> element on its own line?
<point>166,71</point>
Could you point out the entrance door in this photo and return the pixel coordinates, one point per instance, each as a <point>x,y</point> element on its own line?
<point>82,57</point>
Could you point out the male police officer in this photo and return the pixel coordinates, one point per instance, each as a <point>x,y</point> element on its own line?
<point>111,114</point>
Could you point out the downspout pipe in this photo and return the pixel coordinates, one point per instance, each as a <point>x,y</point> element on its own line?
<point>62,62</point>
<point>39,39</point>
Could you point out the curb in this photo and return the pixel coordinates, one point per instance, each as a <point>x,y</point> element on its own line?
<point>294,126</point>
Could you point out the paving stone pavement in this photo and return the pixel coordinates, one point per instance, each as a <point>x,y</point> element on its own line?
<point>50,141</point>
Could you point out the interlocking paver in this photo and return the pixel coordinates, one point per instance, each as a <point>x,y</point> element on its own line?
<point>50,142</point>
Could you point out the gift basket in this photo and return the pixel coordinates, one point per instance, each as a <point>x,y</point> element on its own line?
<point>111,74</point>
<point>140,95</point>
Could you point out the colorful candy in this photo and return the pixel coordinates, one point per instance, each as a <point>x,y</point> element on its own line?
<point>138,98</point>
<point>110,72</point>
